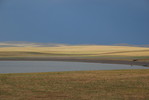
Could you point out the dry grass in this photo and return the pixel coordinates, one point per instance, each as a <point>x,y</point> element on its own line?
<point>81,85</point>
<point>92,50</point>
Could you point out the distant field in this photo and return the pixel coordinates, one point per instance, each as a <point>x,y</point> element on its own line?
<point>81,85</point>
<point>85,51</point>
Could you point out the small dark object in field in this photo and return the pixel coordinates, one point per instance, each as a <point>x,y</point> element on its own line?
<point>145,65</point>
<point>135,60</point>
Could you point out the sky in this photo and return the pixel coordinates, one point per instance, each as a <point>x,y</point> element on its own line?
<point>75,21</point>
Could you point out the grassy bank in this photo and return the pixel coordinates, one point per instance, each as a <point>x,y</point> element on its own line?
<point>81,85</point>
<point>90,53</point>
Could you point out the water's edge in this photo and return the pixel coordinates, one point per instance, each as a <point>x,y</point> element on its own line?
<point>106,61</point>
<point>58,66</point>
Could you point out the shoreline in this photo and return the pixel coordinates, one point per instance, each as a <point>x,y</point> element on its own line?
<point>87,60</point>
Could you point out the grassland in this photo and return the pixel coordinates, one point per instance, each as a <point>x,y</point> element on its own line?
<point>90,53</point>
<point>83,50</point>
<point>81,85</point>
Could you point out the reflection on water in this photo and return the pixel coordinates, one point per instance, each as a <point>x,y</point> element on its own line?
<point>57,66</point>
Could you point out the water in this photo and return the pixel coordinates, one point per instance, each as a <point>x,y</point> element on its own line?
<point>57,66</point>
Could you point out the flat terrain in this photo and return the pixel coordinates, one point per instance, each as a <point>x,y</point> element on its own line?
<point>81,85</point>
<point>87,53</point>
<point>76,51</point>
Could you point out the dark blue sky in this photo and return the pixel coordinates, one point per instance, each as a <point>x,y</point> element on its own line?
<point>75,21</point>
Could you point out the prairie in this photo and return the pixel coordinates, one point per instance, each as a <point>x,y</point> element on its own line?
<point>80,85</point>
<point>83,50</point>
<point>87,52</point>
<point>76,85</point>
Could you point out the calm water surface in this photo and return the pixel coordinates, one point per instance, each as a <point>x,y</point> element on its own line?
<point>57,66</point>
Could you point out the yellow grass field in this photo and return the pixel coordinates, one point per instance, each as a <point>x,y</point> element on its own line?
<point>94,51</point>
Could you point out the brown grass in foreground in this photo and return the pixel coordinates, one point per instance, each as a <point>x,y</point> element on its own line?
<point>81,85</point>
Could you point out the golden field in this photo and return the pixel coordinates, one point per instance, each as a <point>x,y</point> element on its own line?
<point>83,50</point>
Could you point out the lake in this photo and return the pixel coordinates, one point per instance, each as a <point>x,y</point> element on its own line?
<point>58,66</point>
